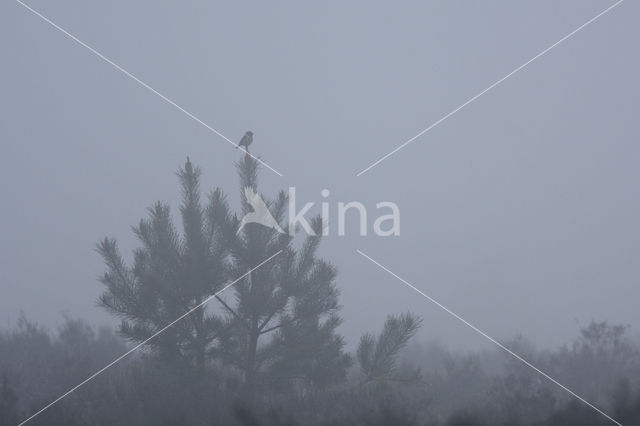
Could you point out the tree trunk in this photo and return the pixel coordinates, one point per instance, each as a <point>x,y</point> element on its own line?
<point>250,369</point>
<point>200,337</point>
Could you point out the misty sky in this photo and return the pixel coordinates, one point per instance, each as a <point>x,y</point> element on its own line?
<point>520,212</point>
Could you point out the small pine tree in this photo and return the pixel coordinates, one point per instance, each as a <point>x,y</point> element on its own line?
<point>287,310</point>
<point>377,355</point>
<point>171,274</point>
<point>280,323</point>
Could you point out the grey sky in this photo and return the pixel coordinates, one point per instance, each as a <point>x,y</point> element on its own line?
<point>520,212</point>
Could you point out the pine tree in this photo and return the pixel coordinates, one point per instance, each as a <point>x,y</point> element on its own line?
<point>377,355</point>
<point>276,325</point>
<point>287,309</point>
<point>171,274</point>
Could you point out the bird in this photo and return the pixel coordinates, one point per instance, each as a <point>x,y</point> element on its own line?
<point>260,213</point>
<point>246,140</point>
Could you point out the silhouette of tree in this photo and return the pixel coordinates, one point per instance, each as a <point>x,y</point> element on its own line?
<point>172,273</point>
<point>278,327</point>
<point>287,309</point>
<point>377,355</point>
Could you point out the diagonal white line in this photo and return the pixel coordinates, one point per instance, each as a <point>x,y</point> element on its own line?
<point>142,83</point>
<point>485,335</point>
<point>488,88</point>
<point>138,346</point>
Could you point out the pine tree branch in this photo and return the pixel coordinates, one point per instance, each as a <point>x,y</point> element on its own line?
<point>266,321</point>
<point>293,320</point>
<point>276,327</point>
<point>234,313</point>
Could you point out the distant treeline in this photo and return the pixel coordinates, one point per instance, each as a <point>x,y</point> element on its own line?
<point>429,385</point>
<point>267,351</point>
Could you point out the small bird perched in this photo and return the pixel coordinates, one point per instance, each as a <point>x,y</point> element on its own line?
<point>246,140</point>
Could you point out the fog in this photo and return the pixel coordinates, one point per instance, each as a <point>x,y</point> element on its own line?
<point>519,212</point>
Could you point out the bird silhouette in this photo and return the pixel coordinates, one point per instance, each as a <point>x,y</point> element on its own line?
<point>260,213</point>
<point>246,140</point>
